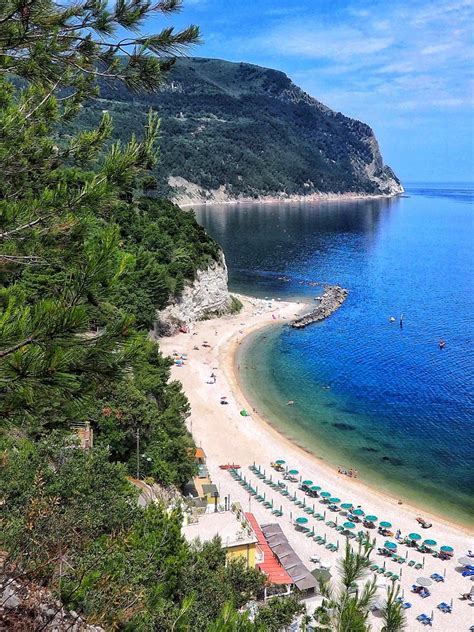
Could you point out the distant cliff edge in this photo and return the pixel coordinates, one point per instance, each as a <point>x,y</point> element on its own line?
<point>233,131</point>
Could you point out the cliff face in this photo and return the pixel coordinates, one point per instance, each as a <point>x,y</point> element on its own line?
<point>231,131</point>
<point>207,296</point>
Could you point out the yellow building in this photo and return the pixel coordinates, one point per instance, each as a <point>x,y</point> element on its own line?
<point>236,533</point>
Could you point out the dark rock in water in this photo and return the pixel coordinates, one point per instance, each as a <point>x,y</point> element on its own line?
<point>342,426</point>
<point>368,448</point>
<point>333,297</point>
<point>393,460</point>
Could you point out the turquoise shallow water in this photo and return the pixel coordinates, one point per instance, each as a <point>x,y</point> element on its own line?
<point>369,394</point>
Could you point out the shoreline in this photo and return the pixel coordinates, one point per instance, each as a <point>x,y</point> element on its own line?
<point>225,361</point>
<point>185,202</point>
<point>229,361</point>
<point>227,436</point>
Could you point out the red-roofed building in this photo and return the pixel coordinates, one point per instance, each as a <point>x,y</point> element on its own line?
<point>272,568</point>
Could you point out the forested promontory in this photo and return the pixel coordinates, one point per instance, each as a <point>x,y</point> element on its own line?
<point>236,130</point>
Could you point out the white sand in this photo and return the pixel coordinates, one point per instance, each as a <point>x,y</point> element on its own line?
<point>227,437</point>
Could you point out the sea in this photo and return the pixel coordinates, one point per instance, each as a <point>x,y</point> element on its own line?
<point>369,394</point>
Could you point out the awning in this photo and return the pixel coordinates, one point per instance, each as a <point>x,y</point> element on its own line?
<point>306,583</point>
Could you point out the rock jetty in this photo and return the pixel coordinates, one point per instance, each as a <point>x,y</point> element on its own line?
<point>333,297</point>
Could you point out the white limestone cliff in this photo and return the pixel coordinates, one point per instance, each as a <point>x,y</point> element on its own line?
<point>208,295</point>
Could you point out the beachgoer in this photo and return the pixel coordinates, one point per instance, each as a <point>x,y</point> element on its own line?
<point>355,473</point>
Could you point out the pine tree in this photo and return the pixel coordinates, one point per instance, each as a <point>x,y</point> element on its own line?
<point>60,256</point>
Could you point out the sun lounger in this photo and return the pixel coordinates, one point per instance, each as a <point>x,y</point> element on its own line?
<point>374,567</point>
<point>406,605</point>
<point>388,574</point>
<point>418,566</point>
<point>411,563</point>
<point>444,607</point>
<point>330,523</point>
<point>424,619</point>
<point>395,577</point>
<point>437,577</point>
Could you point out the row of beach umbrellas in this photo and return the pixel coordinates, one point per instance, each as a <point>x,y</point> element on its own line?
<point>415,537</point>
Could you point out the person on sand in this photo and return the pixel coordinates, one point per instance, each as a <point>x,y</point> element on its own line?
<point>398,534</point>
<point>355,473</point>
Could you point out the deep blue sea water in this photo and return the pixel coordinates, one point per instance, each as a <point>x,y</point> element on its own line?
<point>368,393</point>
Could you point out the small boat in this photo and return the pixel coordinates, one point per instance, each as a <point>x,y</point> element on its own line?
<point>442,344</point>
<point>391,319</point>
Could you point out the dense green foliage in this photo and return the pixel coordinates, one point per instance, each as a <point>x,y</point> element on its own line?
<point>247,128</point>
<point>73,523</point>
<point>85,258</point>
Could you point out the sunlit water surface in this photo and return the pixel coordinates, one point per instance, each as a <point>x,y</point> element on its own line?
<point>369,394</point>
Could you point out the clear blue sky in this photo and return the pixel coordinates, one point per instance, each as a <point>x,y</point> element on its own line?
<point>403,67</point>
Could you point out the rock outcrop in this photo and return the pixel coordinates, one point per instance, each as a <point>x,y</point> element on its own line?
<point>207,296</point>
<point>25,606</point>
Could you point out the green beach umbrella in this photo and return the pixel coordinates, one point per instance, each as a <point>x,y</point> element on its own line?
<point>326,494</point>
<point>280,462</point>
<point>293,472</point>
<point>358,512</point>
<point>390,545</point>
<point>315,488</point>
<point>335,500</point>
<point>349,525</point>
<point>414,536</point>
<point>301,520</point>
<point>429,542</point>
<point>347,506</point>
<point>371,518</point>
<point>308,483</point>
<point>386,525</point>
<point>447,549</point>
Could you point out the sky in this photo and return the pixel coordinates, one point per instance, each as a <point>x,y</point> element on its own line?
<point>403,67</point>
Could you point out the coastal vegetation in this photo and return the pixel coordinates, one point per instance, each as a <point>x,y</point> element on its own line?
<point>85,259</point>
<point>244,130</point>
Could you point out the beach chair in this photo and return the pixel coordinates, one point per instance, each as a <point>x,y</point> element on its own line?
<point>425,593</point>
<point>437,577</point>
<point>330,523</point>
<point>374,567</point>
<point>388,574</point>
<point>318,538</point>
<point>444,607</point>
<point>267,504</point>
<point>418,566</point>
<point>406,605</point>
<point>308,510</point>
<point>394,577</point>
<point>411,563</point>
<point>424,619</point>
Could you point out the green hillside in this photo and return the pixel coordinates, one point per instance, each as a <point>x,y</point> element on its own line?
<point>250,131</point>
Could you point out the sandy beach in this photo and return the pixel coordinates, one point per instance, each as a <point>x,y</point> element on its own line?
<point>227,437</point>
